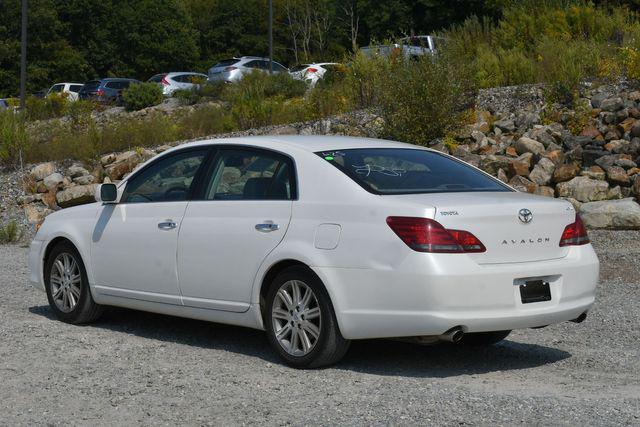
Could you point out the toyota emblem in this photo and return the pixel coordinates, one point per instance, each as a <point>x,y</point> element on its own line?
<point>525,216</point>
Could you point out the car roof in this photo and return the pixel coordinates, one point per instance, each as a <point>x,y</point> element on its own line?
<point>311,143</point>
<point>66,83</point>
<point>114,79</point>
<point>173,73</point>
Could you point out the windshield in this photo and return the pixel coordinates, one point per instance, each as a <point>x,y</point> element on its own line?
<point>409,171</point>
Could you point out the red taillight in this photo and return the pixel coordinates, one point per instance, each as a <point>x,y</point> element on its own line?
<point>229,69</point>
<point>311,70</point>
<point>100,92</point>
<point>468,241</point>
<point>427,235</point>
<point>164,81</point>
<point>575,234</point>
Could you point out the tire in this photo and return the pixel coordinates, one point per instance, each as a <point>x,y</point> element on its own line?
<point>77,306</point>
<point>313,347</point>
<point>479,339</point>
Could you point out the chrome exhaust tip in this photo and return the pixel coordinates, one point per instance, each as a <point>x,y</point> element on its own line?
<point>454,335</point>
<point>580,318</point>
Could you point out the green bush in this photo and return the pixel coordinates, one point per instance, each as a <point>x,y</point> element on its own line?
<point>187,96</point>
<point>9,233</point>
<point>13,136</point>
<point>259,85</point>
<point>142,95</point>
<point>52,106</point>
<point>424,99</point>
<point>212,89</point>
<point>560,42</point>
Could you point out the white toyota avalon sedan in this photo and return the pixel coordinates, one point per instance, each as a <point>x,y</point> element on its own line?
<point>319,241</point>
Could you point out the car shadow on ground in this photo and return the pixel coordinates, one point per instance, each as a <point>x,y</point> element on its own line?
<point>380,357</point>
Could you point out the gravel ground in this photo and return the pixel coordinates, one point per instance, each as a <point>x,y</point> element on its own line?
<point>138,368</point>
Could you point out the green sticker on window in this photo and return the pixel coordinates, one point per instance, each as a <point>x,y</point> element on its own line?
<point>328,158</point>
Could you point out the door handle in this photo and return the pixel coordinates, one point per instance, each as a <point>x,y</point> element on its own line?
<point>167,225</point>
<point>267,227</point>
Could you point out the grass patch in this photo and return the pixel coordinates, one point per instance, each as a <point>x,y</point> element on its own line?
<point>9,233</point>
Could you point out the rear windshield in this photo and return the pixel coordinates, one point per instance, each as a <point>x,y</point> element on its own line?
<point>91,85</point>
<point>226,62</point>
<point>157,78</point>
<point>409,171</point>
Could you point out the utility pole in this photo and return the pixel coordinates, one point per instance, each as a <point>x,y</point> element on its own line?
<point>23,57</point>
<point>270,36</point>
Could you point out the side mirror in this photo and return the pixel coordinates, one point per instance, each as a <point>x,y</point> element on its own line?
<point>106,193</point>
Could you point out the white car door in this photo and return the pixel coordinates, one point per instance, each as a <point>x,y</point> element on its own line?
<point>134,242</point>
<point>243,214</point>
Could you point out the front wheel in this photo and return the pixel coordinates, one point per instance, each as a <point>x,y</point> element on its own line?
<point>300,321</point>
<point>484,338</point>
<point>67,286</point>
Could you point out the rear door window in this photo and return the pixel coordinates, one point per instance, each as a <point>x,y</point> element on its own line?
<point>254,64</point>
<point>247,174</point>
<point>409,171</point>
<point>75,88</point>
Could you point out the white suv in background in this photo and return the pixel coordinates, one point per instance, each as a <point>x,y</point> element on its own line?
<point>71,89</point>
<point>172,82</point>
<point>232,70</point>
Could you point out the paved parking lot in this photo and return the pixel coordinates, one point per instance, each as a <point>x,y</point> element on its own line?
<point>134,367</point>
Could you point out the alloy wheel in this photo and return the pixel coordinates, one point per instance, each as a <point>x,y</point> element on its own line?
<point>66,282</point>
<point>296,318</point>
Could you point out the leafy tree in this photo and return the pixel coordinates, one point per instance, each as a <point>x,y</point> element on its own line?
<point>50,56</point>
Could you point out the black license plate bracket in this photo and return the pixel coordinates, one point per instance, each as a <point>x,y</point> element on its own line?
<point>535,291</point>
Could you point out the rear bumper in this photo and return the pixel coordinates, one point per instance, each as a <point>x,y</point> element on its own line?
<point>428,294</point>
<point>35,264</point>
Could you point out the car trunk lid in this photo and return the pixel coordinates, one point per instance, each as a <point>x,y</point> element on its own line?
<point>514,227</point>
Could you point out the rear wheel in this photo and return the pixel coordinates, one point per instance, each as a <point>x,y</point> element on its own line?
<point>300,321</point>
<point>67,286</point>
<point>484,338</point>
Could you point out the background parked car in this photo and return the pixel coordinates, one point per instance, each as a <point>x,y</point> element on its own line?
<point>312,73</point>
<point>71,89</point>
<point>178,81</point>
<point>4,105</point>
<point>105,90</point>
<point>232,70</point>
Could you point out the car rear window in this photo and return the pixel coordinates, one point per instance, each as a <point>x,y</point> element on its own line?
<point>409,171</point>
<point>75,88</point>
<point>94,84</point>
<point>226,62</point>
<point>157,78</point>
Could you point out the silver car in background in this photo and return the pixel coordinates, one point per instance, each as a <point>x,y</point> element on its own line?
<point>234,69</point>
<point>172,82</point>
